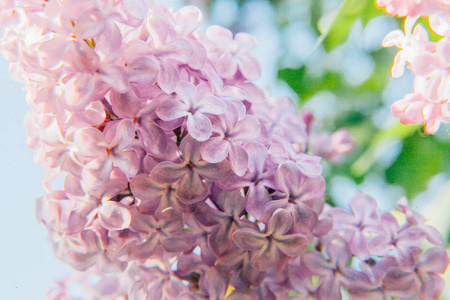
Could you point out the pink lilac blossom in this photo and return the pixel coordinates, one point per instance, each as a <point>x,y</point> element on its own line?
<point>184,180</point>
<point>429,61</point>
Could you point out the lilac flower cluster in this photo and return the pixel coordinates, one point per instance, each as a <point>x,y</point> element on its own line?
<point>181,179</point>
<point>428,60</point>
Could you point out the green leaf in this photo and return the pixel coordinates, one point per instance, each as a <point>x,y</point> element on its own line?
<point>365,162</point>
<point>293,294</point>
<point>370,12</point>
<point>306,85</point>
<point>335,25</point>
<point>421,158</point>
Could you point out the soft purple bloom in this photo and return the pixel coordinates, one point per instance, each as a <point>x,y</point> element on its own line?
<point>155,198</point>
<point>154,232</point>
<point>257,179</point>
<point>334,272</point>
<point>190,171</point>
<point>266,246</point>
<point>195,105</point>
<point>227,220</point>
<point>104,154</point>
<point>301,196</point>
<point>400,242</point>
<point>229,133</point>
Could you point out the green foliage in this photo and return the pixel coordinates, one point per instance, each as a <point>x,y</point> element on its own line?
<point>306,85</point>
<point>421,158</point>
<point>335,26</point>
<point>365,162</point>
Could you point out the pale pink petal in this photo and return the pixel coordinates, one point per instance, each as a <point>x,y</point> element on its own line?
<point>425,63</point>
<point>245,41</point>
<point>77,222</point>
<point>158,29</point>
<point>138,290</point>
<point>249,67</point>
<point>435,260</point>
<point>90,142</point>
<point>394,38</point>
<point>127,161</point>
<point>51,52</point>
<point>257,197</point>
<point>167,77</point>
<point>248,128</point>
<point>114,216</point>
<point>116,77</point>
<point>198,59</point>
<point>438,24</point>
<point>399,64</point>
<point>363,207</point>
<point>211,105</point>
<point>238,159</point>
<point>143,70</point>
<point>124,136</point>
<point>199,126</point>
<point>309,165</point>
<point>432,126</point>
<point>443,50</point>
<point>91,23</point>
<point>145,250</point>
<point>178,49</point>
<point>215,149</point>
<point>219,35</point>
<point>187,92</point>
<point>171,110</point>
<point>136,8</point>
<point>125,105</point>
<point>111,40</point>
<point>79,92</point>
<point>189,18</point>
<point>226,65</point>
<point>153,138</point>
<point>96,173</point>
<point>257,154</point>
<point>85,59</point>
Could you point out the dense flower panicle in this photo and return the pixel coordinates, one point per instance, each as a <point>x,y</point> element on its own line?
<point>429,61</point>
<point>181,178</point>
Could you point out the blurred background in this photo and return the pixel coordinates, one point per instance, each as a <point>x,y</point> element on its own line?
<point>324,54</point>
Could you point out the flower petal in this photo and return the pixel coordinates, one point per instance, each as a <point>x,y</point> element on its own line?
<point>213,172</point>
<point>249,239</point>
<point>215,149</point>
<point>167,172</point>
<point>292,245</point>
<point>199,126</point>
<point>266,258</point>
<point>113,216</point>
<point>125,105</point>
<point>279,223</point>
<point>171,110</point>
